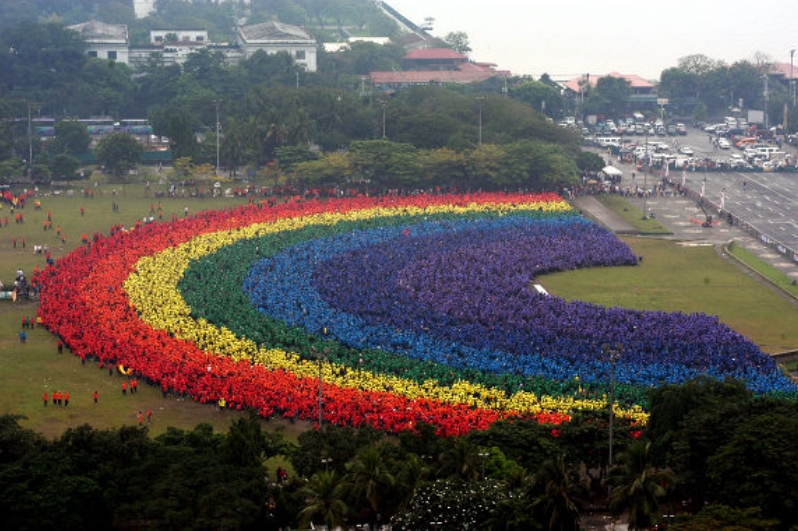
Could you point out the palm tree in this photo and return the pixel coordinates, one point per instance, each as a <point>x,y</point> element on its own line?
<point>638,486</point>
<point>461,461</point>
<point>560,494</point>
<point>325,496</point>
<point>411,472</point>
<point>369,479</point>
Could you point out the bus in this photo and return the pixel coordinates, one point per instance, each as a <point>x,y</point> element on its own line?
<point>135,126</point>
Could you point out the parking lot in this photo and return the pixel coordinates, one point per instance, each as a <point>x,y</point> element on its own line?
<point>761,201</point>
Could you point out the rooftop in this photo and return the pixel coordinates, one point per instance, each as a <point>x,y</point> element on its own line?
<point>274,32</point>
<point>94,30</point>
<point>635,81</point>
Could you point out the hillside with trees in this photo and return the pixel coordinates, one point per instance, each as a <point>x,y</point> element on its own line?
<point>272,114</point>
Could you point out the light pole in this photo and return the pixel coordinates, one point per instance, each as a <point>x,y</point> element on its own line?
<point>767,124</point>
<point>792,80</point>
<point>614,353</point>
<point>480,102</point>
<point>383,104</point>
<point>30,145</point>
<point>645,179</point>
<point>483,456</point>
<point>217,135</point>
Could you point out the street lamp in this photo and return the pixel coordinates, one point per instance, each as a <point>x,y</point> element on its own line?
<point>383,104</point>
<point>483,457</point>
<point>30,144</point>
<point>217,135</point>
<point>646,162</point>
<point>614,353</point>
<point>320,356</point>
<point>481,102</point>
<point>792,80</point>
<point>767,124</point>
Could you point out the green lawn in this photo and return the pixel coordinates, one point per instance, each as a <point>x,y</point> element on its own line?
<point>671,277</point>
<point>632,215</point>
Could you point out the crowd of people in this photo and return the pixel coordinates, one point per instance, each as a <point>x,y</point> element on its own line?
<point>386,290</point>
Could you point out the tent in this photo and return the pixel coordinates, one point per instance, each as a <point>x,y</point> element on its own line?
<point>612,174</point>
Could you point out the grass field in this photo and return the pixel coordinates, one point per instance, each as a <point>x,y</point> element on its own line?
<point>672,277</point>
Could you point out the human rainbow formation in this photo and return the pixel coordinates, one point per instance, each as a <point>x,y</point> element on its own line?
<point>415,309</point>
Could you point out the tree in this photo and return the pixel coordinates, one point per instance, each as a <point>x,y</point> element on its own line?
<point>64,167</point>
<point>119,153</point>
<point>445,504</point>
<point>325,498</point>
<point>540,96</point>
<point>609,97</point>
<point>638,487</point>
<point>749,470</point>
<point>560,495</point>
<point>176,124</point>
<point>71,137</point>
<point>370,481</point>
<point>458,41</point>
<point>689,423</point>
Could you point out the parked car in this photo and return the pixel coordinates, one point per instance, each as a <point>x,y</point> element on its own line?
<point>723,143</point>
<point>686,150</point>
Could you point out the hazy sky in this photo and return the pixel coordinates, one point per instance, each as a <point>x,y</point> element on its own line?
<point>570,38</point>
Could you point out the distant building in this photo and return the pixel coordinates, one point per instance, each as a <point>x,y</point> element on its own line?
<point>642,92</point>
<point>436,66</point>
<point>275,37</point>
<point>173,45</point>
<point>104,41</point>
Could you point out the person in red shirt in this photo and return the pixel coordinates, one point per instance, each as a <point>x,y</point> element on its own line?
<point>141,418</point>
<point>95,396</point>
<point>44,397</point>
<point>66,399</point>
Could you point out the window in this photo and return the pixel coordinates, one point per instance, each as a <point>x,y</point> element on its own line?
<point>159,38</point>
<point>112,55</point>
<point>92,53</point>
<point>300,55</point>
<point>200,38</point>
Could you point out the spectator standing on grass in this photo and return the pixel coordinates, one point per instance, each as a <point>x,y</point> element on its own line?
<point>95,396</point>
<point>149,416</point>
<point>23,337</point>
<point>44,397</point>
<point>66,399</point>
<point>141,419</point>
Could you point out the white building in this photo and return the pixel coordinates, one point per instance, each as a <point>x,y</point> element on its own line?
<point>275,37</point>
<point>104,41</point>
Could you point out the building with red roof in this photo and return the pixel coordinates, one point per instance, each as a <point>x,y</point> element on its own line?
<point>436,66</point>
<point>642,91</point>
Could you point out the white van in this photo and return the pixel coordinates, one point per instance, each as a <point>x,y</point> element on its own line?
<point>607,141</point>
<point>768,151</point>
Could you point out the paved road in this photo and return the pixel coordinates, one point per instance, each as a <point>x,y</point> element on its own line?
<point>765,204</point>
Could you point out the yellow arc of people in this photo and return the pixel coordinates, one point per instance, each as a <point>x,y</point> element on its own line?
<point>153,291</point>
